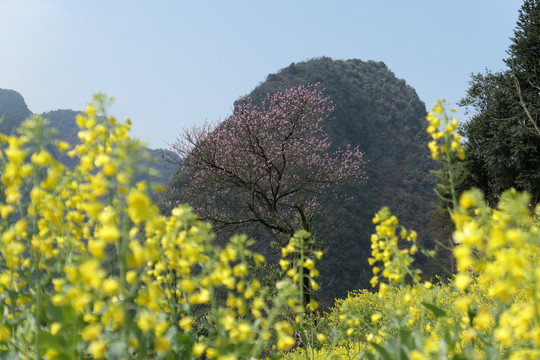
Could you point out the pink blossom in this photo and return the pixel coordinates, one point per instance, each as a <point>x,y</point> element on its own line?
<point>267,163</point>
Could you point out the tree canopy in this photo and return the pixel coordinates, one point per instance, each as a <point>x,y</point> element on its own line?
<point>267,164</point>
<point>503,136</point>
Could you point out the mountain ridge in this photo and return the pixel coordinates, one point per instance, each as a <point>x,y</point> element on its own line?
<point>14,110</point>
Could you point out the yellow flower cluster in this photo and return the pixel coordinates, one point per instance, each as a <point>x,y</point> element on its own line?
<point>299,264</point>
<point>89,266</point>
<point>490,305</point>
<point>450,138</point>
<point>385,249</point>
<point>488,309</point>
<point>498,250</point>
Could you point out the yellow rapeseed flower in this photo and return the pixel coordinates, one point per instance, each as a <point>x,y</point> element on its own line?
<point>5,333</point>
<point>55,328</point>
<point>97,349</point>
<point>131,277</point>
<point>161,344</point>
<point>198,349</point>
<point>185,323</point>
<point>417,355</point>
<point>146,321</point>
<point>285,342</point>
<point>138,206</point>
<point>462,281</point>
<point>91,332</point>
<point>43,158</point>
<point>111,286</point>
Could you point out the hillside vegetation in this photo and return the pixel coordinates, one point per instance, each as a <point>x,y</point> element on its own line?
<point>384,117</point>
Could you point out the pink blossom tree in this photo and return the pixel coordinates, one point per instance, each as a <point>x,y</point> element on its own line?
<point>266,164</point>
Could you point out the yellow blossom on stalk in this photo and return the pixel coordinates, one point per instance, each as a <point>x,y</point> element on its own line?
<point>312,305</point>
<point>43,158</point>
<point>6,210</point>
<point>321,337</point>
<point>161,344</point>
<point>138,205</point>
<point>462,280</point>
<point>211,353</point>
<point>97,349</point>
<point>385,248</point>
<point>463,303</point>
<point>259,259</point>
<point>188,285</point>
<point>285,341</point>
<point>483,319</point>
<point>309,264</point>
<point>417,355</point>
<point>198,349</point>
<point>89,272</point>
<point>146,321</point>
<point>185,323</point>
<point>240,270</point>
<point>434,149</point>
<point>375,318</point>
<point>51,353</point>
<point>55,328</point>
<point>5,333</point>
<point>131,277</point>
<point>451,139</point>
<point>91,332</point>
<point>111,286</point>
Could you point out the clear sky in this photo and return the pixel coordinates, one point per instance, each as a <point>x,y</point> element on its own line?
<point>171,64</point>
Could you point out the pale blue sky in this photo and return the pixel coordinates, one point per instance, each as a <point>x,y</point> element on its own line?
<point>171,64</point>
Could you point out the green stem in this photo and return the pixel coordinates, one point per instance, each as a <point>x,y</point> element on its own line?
<point>35,257</point>
<point>38,308</point>
<point>434,258</point>
<point>121,248</point>
<point>302,290</point>
<point>448,153</point>
<point>276,310</point>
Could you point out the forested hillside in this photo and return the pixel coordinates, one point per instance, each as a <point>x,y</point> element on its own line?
<point>383,115</point>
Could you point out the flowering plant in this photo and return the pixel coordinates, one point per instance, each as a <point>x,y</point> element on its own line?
<point>488,309</point>
<point>90,268</point>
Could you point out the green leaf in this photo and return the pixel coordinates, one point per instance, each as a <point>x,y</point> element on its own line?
<point>49,341</point>
<point>437,311</point>
<point>382,351</point>
<point>62,356</point>
<point>53,313</point>
<point>405,338</point>
<point>366,355</point>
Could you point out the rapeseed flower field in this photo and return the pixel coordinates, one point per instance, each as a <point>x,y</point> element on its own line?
<point>90,268</point>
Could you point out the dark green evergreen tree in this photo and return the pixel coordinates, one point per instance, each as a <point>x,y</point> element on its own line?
<point>503,137</point>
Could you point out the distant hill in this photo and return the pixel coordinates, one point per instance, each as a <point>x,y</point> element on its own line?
<point>11,102</point>
<point>14,110</point>
<point>381,113</point>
